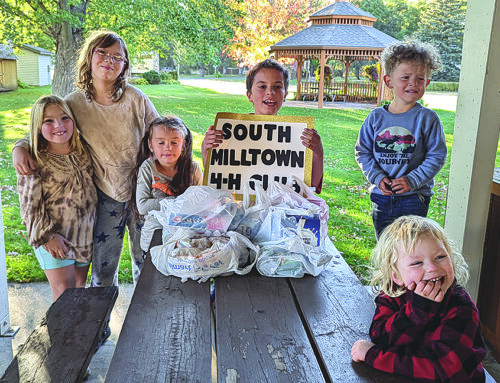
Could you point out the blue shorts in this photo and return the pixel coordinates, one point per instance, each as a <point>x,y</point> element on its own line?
<point>47,262</point>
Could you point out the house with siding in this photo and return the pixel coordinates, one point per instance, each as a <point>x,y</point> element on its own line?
<point>34,65</point>
<point>145,62</point>
<point>8,68</point>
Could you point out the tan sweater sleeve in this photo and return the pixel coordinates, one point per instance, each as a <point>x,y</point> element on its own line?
<point>22,143</point>
<point>197,174</point>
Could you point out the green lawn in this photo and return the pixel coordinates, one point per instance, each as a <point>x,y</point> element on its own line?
<point>345,188</point>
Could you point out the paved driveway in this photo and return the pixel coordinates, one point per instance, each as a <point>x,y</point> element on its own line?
<point>434,100</point>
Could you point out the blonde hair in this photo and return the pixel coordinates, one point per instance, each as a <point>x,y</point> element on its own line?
<point>413,50</point>
<point>36,140</point>
<point>100,39</point>
<point>405,233</point>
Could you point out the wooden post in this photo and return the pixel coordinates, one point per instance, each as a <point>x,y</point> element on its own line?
<point>347,64</point>
<point>475,135</point>
<point>5,329</point>
<point>381,84</point>
<point>321,78</point>
<point>300,62</point>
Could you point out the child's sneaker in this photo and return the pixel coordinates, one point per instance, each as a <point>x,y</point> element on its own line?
<point>104,336</point>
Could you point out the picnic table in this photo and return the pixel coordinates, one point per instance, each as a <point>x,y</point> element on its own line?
<point>261,329</point>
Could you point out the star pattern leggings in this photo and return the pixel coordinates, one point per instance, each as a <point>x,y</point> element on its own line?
<point>108,241</point>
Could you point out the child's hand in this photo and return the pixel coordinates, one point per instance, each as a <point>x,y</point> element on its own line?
<point>58,246</point>
<point>212,139</point>
<point>312,140</point>
<point>385,186</point>
<point>428,289</point>
<point>359,349</point>
<point>22,161</point>
<point>400,185</point>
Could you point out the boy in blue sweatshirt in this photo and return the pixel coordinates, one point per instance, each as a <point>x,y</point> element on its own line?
<point>401,146</point>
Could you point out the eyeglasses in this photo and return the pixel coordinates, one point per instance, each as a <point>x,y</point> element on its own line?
<point>104,55</point>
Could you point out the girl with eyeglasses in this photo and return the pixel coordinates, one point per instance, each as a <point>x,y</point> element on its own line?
<point>112,116</point>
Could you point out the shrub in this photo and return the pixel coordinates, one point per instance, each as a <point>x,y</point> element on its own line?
<point>170,82</point>
<point>22,85</point>
<point>370,71</point>
<point>152,77</point>
<point>167,76</point>
<point>328,74</point>
<point>442,86</point>
<point>141,81</point>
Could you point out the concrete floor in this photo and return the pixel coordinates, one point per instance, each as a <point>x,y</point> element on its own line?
<point>37,297</point>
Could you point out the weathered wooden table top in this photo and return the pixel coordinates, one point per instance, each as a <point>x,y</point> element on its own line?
<point>261,330</point>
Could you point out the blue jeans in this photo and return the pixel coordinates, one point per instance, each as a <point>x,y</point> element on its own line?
<point>386,209</point>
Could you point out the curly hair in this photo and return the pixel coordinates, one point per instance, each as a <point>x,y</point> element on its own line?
<point>412,50</point>
<point>269,64</point>
<point>36,140</point>
<point>405,233</point>
<point>100,39</point>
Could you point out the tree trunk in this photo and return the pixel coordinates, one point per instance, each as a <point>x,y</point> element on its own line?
<point>68,41</point>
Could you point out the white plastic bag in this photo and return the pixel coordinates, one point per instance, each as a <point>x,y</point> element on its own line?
<point>200,208</point>
<point>255,214</point>
<point>292,257</point>
<point>315,199</point>
<point>280,219</point>
<point>188,255</point>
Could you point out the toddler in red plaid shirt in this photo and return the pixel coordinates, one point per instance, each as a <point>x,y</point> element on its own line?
<point>425,324</point>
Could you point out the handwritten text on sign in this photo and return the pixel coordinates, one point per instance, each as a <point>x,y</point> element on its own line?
<point>258,147</point>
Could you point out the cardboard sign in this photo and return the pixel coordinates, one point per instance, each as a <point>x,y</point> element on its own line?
<point>259,147</point>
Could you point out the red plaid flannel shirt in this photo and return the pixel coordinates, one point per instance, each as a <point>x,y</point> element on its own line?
<point>427,340</point>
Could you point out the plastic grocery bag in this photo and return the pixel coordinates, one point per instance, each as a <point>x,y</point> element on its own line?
<point>188,255</point>
<point>324,211</point>
<point>201,208</point>
<point>292,257</point>
<point>285,195</point>
<point>255,214</point>
<point>279,220</point>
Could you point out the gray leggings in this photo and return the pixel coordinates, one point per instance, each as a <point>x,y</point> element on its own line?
<point>108,241</point>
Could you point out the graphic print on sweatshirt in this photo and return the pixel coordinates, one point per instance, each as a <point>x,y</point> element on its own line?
<point>395,139</point>
<point>394,145</point>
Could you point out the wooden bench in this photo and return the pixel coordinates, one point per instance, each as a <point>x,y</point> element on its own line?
<point>61,347</point>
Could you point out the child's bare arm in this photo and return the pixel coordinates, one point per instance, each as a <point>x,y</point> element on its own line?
<point>359,349</point>
<point>22,161</point>
<point>212,139</point>
<point>311,139</point>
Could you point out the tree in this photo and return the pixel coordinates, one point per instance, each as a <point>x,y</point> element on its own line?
<point>145,25</point>
<point>266,22</point>
<point>397,18</point>
<point>443,24</point>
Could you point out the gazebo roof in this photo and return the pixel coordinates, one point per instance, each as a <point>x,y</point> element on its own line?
<point>340,29</point>
<point>342,8</point>
<point>336,36</point>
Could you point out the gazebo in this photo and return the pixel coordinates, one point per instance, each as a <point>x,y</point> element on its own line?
<point>341,32</point>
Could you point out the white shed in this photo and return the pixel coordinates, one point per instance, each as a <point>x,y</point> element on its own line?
<point>34,65</point>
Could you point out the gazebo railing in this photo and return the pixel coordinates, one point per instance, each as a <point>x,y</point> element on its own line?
<point>335,91</point>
